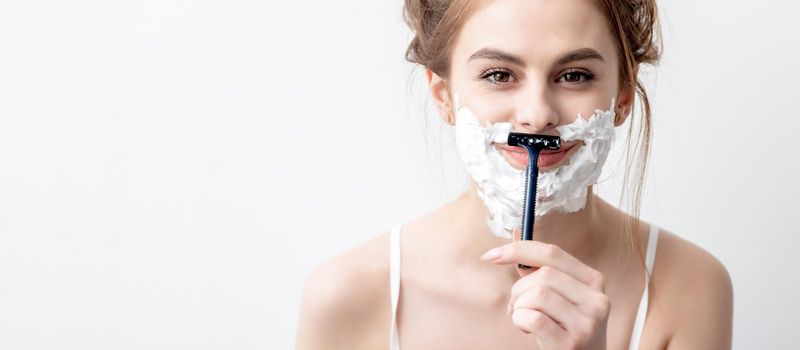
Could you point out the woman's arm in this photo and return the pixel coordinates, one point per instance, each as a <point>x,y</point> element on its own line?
<point>345,301</point>
<point>704,298</point>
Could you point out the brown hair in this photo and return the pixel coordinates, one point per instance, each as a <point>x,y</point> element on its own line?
<point>636,29</point>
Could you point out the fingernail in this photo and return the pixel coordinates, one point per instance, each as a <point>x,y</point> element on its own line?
<point>492,254</point>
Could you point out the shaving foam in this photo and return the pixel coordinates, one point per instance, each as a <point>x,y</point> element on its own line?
<point>501,187</point>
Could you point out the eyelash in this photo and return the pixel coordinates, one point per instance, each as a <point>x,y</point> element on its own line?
<point>587,75</point>
<point>492,71</point>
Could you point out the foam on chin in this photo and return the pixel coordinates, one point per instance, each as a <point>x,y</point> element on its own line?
<point>501,187</point>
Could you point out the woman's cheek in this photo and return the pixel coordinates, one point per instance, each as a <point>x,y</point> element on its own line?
<point>584,105</point>
<point>492,110</point>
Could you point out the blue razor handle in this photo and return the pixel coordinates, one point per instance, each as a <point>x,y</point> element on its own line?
<point>533,143</point>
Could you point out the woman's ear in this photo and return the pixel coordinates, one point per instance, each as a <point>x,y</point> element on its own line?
<point>625,101</point>
<point>441,96</point>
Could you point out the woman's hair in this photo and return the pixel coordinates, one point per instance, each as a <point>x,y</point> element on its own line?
<point>636,30</point>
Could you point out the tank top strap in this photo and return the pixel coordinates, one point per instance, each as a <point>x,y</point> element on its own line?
<point>652,246</point>
<point>394,282</point>
<point>641,313</point>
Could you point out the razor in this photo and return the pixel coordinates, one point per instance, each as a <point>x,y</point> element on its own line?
<point>533,143</point>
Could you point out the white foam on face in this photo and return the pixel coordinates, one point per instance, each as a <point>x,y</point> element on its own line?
<point>501,187</point>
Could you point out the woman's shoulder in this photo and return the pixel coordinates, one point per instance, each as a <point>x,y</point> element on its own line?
<point>362,266</point>
<point>687,267</point>
<point>694,290</point>
<point>346,297</point>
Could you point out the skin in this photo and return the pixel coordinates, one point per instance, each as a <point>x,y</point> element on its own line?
<point>584,288</point>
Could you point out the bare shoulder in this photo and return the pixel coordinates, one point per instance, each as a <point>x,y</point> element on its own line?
<point>697,290</point>
<point>347,297</point>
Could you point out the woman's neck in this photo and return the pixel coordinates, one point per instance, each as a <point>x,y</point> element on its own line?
<point>584,234</point>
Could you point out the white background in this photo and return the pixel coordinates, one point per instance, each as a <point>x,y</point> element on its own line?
<point>171,171</point>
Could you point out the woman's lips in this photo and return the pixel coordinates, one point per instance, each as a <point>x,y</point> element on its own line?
<point>547,158</point>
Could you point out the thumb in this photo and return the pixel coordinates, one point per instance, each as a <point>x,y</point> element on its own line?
<point>522,272</point>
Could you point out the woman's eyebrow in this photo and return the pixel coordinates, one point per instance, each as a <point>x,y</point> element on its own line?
<point>496,54</point>
<point>579,55</point>
<point>500,55</point>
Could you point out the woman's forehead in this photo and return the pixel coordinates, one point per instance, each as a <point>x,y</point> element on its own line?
<point>535,30</point>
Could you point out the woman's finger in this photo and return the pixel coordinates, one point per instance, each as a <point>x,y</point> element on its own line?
<point>570,288</point>
<point>548,332</point>
<point>555,306</point>
<point>534,253</point>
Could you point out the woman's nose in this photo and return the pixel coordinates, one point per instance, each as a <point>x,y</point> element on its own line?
<point>536,116</point>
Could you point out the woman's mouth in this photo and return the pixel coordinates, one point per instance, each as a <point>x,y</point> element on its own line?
<point>547,158</point>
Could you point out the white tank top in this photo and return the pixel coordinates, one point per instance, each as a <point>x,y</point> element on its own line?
<point>394,284</point>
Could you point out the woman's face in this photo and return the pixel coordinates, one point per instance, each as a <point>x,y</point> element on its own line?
<point>534,63</point>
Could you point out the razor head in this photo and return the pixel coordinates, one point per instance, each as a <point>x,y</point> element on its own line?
<point>534,141</point>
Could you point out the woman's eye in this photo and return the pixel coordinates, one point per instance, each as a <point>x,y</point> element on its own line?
<point>497,76</point>
<point>500,77</point>
<point>575,76</point>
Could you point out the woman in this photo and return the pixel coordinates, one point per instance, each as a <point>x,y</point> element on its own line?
<point>541,67</point>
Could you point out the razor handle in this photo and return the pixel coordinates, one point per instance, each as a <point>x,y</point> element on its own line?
<point>533,143</point>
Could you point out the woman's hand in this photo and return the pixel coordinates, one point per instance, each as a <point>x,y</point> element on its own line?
<point>563,302</point>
